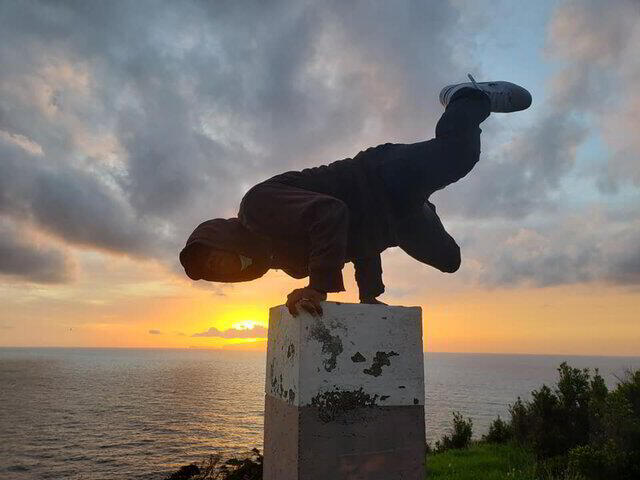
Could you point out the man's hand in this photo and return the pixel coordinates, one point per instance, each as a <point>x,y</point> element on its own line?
<point>372,300</point>
<point>309,300</point>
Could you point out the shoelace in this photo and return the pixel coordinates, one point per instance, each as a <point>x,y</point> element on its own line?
<point>473,80</point>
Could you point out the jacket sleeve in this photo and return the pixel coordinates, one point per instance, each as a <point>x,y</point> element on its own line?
<point>369,276</point>
<point>291,214</point>
<point>327,223</point>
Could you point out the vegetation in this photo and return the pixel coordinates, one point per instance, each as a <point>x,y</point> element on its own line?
<point>483,461</point>
<point>459,437</point>
<point>499,432</point>
<point>213,468</point>
<point>578,430</point>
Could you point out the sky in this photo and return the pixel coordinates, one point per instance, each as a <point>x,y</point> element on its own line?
<point>125,124</point>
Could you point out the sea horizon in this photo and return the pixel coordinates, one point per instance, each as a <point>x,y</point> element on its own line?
<point>62,347</point>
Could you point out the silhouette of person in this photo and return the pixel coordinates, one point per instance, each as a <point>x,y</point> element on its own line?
<point>309,223</point>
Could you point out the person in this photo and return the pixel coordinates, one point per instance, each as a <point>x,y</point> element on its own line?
<point>309,223</point>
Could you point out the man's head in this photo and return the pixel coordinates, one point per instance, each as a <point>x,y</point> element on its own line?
<point>213,264</point>
<point>222,250</point>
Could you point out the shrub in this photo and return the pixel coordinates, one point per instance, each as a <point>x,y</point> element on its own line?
<point>499,432</point>
<point>520,424</point>
<point>588,462</point>
<point>234,469</point>
<point>580,429</point>
<point>460,436</point>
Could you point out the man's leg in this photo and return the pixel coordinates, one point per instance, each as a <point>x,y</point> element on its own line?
<point>422,235</point>
<point>456,148</point>
<point>416,170</point>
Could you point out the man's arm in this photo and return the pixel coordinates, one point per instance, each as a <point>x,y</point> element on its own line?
<point>369,278</point>
<point>294,214</point>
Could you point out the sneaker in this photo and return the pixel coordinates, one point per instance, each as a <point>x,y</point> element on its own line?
<point>504,96</point>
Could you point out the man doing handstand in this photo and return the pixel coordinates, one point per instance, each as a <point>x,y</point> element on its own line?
<point>310,222</point>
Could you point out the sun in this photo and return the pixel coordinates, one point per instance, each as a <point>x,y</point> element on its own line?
<point>244,324</point>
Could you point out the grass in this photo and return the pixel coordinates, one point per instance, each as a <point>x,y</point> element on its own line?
<point>482,461</point>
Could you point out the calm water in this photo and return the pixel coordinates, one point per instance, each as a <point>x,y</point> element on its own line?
<point>112,414</point>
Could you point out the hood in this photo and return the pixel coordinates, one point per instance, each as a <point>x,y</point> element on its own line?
<point>230,235</point>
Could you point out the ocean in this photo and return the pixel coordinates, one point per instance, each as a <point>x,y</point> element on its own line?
<point>97,414</point>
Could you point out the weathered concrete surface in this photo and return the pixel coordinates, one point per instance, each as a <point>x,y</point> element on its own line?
<point>366,443</point>
<point>345,394</point>
<point>374,347</point>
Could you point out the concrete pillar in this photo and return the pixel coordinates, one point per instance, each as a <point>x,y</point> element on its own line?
<point>345,394</point>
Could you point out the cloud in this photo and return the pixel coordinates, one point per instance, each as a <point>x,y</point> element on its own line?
<point>522,176</point>
<point>256,331</point>
<point>598,44</point>
<point>22,258</point>
<point>535,210</point>
<point>155,332</point>
<point>124,125</point>
<point>71,204</point>
<point>577,249</point>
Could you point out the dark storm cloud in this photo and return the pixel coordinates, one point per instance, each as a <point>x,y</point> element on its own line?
<point>69,203</point>
<point>151,116</point>
<point>124,124</point>
<point>254,332</point>
<point>30,262</point>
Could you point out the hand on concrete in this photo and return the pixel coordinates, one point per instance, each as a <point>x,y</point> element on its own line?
<point>308,298</point>
<point>372,300</point>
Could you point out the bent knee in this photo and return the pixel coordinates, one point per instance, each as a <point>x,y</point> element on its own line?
<point>452,261</point>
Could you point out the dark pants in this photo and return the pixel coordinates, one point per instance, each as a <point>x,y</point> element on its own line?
<point>429,166</point>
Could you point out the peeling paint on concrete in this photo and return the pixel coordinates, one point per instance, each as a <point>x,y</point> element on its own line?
<point>331,344</point>
<point>306,351</point>
<point>358,357</point>
<point>381,359</point>
<point>323,414</point>
<point>332,404</point>
<point>272,373</point>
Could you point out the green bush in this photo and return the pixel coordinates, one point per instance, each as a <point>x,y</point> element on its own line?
<point>460,435</point>
<point>588,462</point>
<point>580,429</point>
<point>499,432</point>
<point>520,424</point>
<point>213,468</point>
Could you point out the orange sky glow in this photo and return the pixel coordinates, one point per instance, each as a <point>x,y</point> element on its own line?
<point>590,320</point>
